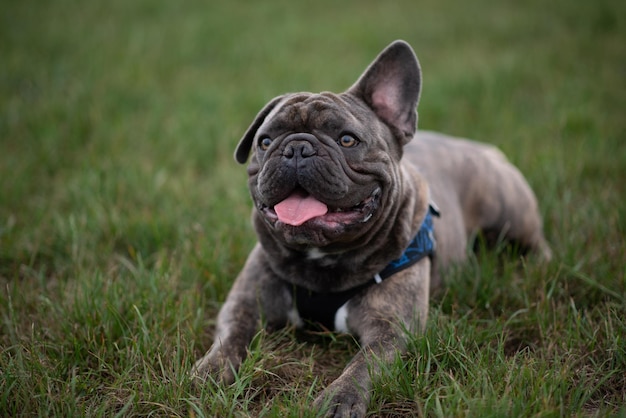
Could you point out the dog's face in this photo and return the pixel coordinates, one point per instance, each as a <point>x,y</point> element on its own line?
<point>321,170</point>
<point>325,167</point>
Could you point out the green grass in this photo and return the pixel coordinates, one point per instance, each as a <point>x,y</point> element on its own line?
<point>124,219</point>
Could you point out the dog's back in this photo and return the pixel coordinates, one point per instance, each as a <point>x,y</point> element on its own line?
<point>476,189</point>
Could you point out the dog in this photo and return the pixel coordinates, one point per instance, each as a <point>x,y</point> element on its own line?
<point>357,215</point>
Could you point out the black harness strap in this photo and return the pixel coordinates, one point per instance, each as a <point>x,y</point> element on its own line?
<point>321,307</point>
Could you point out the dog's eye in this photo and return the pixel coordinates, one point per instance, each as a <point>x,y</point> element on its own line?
<point>265,142</point>
<point>348,141</point>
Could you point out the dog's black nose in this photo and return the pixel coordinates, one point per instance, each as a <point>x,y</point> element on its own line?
<point>300,147</point>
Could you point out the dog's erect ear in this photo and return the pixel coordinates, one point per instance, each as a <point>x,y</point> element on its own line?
<point>245,144</point>
<point>391,87</point>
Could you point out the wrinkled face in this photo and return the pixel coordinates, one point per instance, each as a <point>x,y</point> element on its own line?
<point>322,170</point>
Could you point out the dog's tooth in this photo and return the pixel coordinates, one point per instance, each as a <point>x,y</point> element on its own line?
<point>367,218</point>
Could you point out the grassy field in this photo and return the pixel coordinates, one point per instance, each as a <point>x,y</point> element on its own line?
<point>124,219</point>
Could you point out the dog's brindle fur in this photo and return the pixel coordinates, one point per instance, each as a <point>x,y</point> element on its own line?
<point>473,185</point>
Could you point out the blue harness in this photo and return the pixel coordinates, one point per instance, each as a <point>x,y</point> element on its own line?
<point>321,307</point>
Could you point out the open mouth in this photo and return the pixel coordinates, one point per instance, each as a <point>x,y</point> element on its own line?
<point>301,208</point>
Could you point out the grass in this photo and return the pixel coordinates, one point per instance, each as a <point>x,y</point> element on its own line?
<point>123,218</point>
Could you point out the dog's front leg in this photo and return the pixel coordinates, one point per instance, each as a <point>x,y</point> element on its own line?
<point>381,318</point>
<point>239,319</point>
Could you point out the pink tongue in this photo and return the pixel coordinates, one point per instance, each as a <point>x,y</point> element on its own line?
<point>299,208</point>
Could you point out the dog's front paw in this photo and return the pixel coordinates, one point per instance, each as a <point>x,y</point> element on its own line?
<point>213,368</point>
<point>343,400</point>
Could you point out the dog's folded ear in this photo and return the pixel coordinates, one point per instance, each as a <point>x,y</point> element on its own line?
<point>391,86</point>
<point>245,144</point>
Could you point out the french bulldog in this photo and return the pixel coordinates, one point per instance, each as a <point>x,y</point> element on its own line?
<point>357,214</point>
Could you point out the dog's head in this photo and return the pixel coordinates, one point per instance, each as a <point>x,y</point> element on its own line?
<point>325,168</point>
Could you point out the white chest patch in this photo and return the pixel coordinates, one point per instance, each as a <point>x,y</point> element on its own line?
<point>294,318</point>
<point>341,319</point>
<point>315,254</point>
<point>322,258</point>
